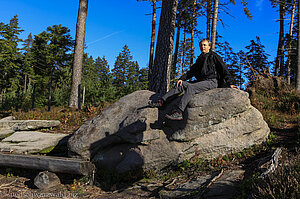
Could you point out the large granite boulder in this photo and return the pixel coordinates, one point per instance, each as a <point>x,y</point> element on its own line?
<point>130,135</point>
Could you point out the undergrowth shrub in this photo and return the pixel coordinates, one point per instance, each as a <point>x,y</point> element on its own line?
<point>283,183</point>
<point>69,118</point>
<point>274,94</point>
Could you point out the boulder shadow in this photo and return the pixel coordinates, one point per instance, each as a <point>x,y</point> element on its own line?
<point>169,126</point>
<point>117,156</point>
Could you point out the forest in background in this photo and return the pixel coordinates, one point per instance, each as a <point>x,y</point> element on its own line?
<point>37,72</point>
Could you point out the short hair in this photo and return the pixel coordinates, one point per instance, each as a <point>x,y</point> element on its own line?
<point>209,42</point>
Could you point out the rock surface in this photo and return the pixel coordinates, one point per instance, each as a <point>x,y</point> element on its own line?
<point>16,137</point>
<point>29,141</point>
<point>129,134</point>
<point>45,180</point>
<point>225,187</point>
<point>24,125</point>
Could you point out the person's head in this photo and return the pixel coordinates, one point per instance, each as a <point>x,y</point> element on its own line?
<point>205,45</point>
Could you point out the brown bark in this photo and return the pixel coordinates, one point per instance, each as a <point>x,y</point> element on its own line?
<point>214,25</point>
<point>280,50</point>
<point>160,78</point>
<point>298,57</point>
<point>193,33</point>
<point>78,55</point>
<point>25,83</point>
<point>208,19</point>
<point>290,46</point>
<point>152,38</point>
<point>176,47</point>
<point>183,53</point>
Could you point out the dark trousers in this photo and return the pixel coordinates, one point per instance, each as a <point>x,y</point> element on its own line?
<point>190,89</point>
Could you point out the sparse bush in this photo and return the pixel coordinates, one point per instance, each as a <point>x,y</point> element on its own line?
<point>283,183</point>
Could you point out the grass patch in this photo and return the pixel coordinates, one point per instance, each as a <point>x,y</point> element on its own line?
<point>46,150</point>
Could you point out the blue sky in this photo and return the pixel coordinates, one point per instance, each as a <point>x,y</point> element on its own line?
<point>112,24</point>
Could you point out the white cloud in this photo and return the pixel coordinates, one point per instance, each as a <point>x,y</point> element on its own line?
<point>259,4</point>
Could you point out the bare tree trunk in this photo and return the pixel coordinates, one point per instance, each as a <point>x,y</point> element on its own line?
<point>160,78</point>
<point>29,83</point>
<point>50,89</point>
<point>83,96</point>
<point>33,96</point>
<point>180,67</point>
<point>78,54</point>
<point>176,47</point>
<point>282,39</point>
<point>280,56</point>
<point>183,52</point>
<point>25,83</point>
<point>208,19</point>
<point>214,25</point>
<point>193,33</point>
<point>152,39</point>
<point>290,46</point>
<point>298,57</point>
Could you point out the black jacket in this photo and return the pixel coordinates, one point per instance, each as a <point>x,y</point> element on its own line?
<point>209,66</point>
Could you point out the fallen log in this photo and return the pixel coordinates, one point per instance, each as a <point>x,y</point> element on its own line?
<point>273,163</point>
<point>48,163</point>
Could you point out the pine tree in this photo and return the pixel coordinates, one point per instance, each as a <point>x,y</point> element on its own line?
<point>159,79</point>
<point>255,58</point>
<point>232,61</point>
<point>143,79</point>
<point>106,89</point>
<point>151,57</point>
<point>74,100</point>
<point>10,63</point>
<point>51,51</point>
<point>125,73</point>
<point>27,62</point>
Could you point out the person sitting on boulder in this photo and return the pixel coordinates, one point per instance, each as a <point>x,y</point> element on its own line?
<point>210,72</point>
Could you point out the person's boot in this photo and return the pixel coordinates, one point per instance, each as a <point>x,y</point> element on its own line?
<point>156,104</point>
<point>175,115</point>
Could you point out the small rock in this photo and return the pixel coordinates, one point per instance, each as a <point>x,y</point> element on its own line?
<point>227,186</point>
<point>46,180</point>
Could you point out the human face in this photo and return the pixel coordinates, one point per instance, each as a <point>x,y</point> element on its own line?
<point>204,46</point>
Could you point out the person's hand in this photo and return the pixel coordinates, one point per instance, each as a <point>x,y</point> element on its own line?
<point>234,86</point>
<point>179,83</point>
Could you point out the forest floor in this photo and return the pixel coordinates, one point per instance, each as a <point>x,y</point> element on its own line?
<point>285,133</point>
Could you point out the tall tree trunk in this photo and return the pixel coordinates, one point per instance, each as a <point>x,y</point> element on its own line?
<point>50,90</point>
<point>152,39</point>
<point>214,25</point>
<point>298,57</point>
<point>25,83</point>
<point>180,67</point>
<point>176,47</point>
<point>160,78</point>
<point>282,39</point>
<point>29,84</point>
<point>78,54</point>
<point>290,46</point>
<point>33,96</point>
<point>208,18</point>
<point>193,33</point>
<point>183,53</point>
<point>280,50</point>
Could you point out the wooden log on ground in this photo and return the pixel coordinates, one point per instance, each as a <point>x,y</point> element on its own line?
<point>48,163</point>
